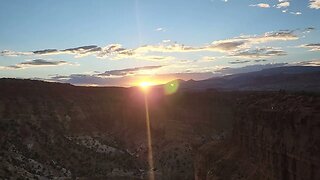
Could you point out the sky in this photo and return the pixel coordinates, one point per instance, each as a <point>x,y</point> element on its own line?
<point>124,42</point>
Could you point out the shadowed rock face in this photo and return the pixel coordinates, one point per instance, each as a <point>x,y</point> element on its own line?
<point>58,130</point>
<point>282,134</point>
<point>275,136</point>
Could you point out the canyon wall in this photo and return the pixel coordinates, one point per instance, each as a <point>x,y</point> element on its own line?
<point>281,133</point>
<point>275,136</point>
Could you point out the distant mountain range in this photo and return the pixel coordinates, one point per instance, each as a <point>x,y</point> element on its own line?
<point>290,78</point>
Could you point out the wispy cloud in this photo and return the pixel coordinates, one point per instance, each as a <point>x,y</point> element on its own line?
<point>308,30</point>
<point>230,46</point>
<point>128,71</point>
<point>77,51</point>
<point>208,58</point>
<point>260,60</point>
<point>161,29</point>
<point>283,4</point>
<point>315,62</point>
<point>143,56</point>
<point>46,52</point>
<point>227,46</point>
<point>312,46</point>
<point>166,41</point>
<point>261,5</point>
<point>35,63</point>
<point>81,51</point>
<point>296,13</point>
<point>14,53</point>
<point>314,4</point>
<point>260,53</point>
<point>239,62</point>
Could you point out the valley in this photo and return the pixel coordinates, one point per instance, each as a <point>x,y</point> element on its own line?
<point>53,130</point>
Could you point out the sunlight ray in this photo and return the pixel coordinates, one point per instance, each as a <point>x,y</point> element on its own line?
<point>149,139</point>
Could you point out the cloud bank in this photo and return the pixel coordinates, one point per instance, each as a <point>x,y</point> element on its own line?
<point>35,63</point>
<point>312,46</point>
<point>230,47</point>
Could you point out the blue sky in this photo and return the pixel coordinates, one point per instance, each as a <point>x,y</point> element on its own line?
<point>122,42</point>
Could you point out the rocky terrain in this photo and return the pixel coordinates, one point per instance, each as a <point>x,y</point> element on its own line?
<point>275,136</point>
<point>56,131</point>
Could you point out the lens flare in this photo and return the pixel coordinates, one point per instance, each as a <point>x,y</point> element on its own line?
<point>145,85</point>
<point>149,139</point>
<point>171,87</point>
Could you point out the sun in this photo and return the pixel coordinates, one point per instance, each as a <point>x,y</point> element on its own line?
<point>145,85</point>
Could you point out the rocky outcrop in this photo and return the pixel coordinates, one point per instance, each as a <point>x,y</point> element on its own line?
<point>281,134</point>
<point>275,136</point>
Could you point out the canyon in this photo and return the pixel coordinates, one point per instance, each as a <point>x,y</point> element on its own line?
<point>54,130</point>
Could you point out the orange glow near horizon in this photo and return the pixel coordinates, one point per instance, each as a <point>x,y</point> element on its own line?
<point>147,81</point>
<point>145,85</point>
